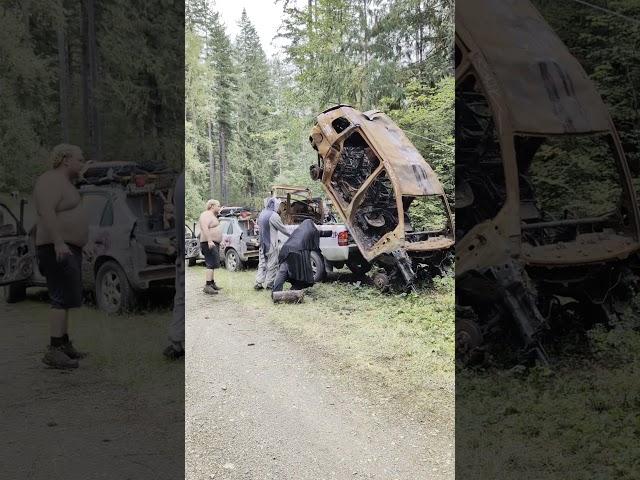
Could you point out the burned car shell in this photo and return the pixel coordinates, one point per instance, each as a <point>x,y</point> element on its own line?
<point>16,256</point>
<point>534,88</point>
<point>394,160</point>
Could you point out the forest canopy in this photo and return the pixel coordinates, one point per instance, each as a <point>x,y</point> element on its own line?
<point>248,116</point>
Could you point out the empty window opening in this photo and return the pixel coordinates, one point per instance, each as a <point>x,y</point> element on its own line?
<point>357,162</point>
<point>377,215</point>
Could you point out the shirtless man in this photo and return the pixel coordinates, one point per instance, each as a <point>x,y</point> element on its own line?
<point>61,232</point>
<point>210,238</point>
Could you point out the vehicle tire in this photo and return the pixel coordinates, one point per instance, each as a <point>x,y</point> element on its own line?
<point>317,265</point>
<point>381,281</point>
<point>469,339</point>
<point>232,261</point>
<point>16,292</point>
<point>358,266</point>
<point>114,293</point>
<point>192,261</point>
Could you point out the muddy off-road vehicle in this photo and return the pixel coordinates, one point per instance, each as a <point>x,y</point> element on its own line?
<point>386,193</point>
<point>131,245</point>
<point>240,243</point>
<point>546,216</point>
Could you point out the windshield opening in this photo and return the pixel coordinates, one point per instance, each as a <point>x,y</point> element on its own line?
<point>425,216</point>
<point>569,185</point>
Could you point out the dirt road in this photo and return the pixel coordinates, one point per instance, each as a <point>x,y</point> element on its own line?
<point>263,404</point>
<point>118,416</point>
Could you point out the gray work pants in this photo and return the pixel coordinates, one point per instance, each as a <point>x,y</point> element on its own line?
<point>267,268</point>
<point>176,326</point>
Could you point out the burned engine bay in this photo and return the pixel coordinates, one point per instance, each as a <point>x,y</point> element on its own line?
<point>378,183</point>
<point>546,215</point>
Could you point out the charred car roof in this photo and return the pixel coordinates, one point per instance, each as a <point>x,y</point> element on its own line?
<point>544,88</point>
<point>395,151</point>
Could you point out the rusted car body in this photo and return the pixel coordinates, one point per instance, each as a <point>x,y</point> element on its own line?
<point>297,205</point>
<point>374,176</point>
<point>16,256</point>
<point>520,94</point>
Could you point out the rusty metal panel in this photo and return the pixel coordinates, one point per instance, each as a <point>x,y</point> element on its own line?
<point>543,86</point>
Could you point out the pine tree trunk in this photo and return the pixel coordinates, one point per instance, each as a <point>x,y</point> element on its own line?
<point>212,162</point>
<point>64,80</point>
<point>223,164</point>
<point>89,77</point>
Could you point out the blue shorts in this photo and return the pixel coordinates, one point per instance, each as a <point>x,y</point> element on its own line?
<point>64,277</point>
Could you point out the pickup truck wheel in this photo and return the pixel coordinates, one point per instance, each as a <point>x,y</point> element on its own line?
<point>114,293</point>
<point>232,261</point>
<point>317,265</point>
<point>192,261</point>
<point>16,292</point>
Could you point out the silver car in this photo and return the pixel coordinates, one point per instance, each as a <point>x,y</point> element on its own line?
<point>240,244</point>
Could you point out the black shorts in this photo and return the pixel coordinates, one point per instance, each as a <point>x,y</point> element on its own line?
<point>64,278</point>
<point>211,255</point>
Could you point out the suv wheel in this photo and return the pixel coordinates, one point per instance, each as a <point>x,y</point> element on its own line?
<point>232,261</point>
<point>317,265</point>
<point>113,290</point>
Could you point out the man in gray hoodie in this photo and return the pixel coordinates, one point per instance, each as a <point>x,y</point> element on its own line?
<point>270,224</point>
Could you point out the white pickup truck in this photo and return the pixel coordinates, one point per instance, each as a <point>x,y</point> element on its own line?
<point>337,251</point>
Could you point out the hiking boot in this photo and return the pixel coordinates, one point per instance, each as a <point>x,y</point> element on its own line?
<point>172,354</point>
<point>216,287</point>
<point>208,289</point>
<point>71,352</point>
<point>258,286</point>
<point>57,358</point>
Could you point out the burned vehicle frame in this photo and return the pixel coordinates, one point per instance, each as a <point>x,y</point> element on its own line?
<point>524,268</point>
<point>375,177</point>
<point>16,263</point>
<point>298,204</point>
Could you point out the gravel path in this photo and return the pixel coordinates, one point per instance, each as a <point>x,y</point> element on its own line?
<point>81,424</point>
<point>263,405</point>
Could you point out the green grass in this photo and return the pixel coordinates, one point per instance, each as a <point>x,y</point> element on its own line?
<point>403,343</point>
<point>128,349</point>
<point>579,420</point>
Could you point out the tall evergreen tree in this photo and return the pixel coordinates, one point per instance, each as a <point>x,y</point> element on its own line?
<point>252,154</point>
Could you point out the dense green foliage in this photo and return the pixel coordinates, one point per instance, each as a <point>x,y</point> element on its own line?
<point>607,46</point>
<point>137,90</point>
<point>394,55</point>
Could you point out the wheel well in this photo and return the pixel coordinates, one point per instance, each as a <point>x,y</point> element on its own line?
<point>101,261</point>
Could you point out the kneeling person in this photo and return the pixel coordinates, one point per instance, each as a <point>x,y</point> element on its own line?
<point>295,257</point>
